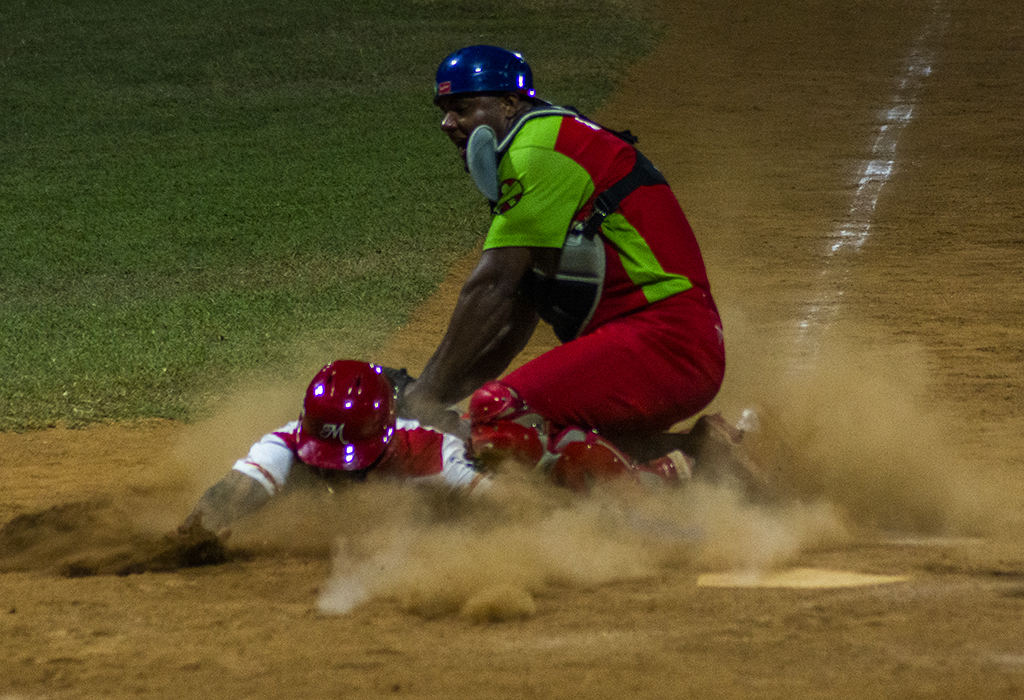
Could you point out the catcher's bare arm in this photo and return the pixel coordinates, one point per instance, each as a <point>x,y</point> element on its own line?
<point>489,326</point>
<point>226,501</point>
<point>497,356</point>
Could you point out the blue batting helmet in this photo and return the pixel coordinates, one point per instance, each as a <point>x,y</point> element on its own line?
<point>483,69</point>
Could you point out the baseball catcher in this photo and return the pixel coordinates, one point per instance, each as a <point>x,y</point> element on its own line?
<point>587,235</point>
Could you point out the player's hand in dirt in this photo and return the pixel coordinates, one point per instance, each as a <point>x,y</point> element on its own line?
<point>193,528</point>
<point>231,498</point>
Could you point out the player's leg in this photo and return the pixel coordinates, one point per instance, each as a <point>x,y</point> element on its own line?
<point>506,429</point>
<point>585,459</point>
<point>633,377</point>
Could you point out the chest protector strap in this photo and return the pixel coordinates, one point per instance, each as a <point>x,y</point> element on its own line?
<point>567,300</point>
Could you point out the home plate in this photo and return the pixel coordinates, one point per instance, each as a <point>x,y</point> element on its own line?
<point>794,578</point>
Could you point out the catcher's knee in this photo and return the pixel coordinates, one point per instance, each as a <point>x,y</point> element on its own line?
<point>503,427</point>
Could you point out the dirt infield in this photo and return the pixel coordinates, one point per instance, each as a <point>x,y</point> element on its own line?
<point>855,174</point>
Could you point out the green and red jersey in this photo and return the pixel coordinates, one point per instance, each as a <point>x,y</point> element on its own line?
<point>551,173</point>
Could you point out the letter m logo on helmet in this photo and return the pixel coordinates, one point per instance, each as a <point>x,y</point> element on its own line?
<point>333,431</point>
<point>483,69</point>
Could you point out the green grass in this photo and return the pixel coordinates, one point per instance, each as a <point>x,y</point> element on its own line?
<point>191,191</point>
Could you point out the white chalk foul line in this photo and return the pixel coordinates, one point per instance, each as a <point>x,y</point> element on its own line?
<point>851,234</point>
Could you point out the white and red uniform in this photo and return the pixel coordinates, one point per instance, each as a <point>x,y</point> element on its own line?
<point>415,452</point>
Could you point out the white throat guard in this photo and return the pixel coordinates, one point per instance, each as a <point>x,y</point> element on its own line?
<point>483,152</point>
<point>482,161</point>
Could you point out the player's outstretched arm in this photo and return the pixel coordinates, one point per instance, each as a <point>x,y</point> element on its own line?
<point>231,498</point>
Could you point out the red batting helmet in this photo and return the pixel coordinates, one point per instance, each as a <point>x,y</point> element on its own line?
<point>348,417</point>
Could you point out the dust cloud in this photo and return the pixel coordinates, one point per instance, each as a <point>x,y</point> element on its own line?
<point>856,424</point>
<point>210,447</point>
<point>521,537</point>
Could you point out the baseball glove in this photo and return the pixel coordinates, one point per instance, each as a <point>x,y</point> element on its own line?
<point>398,378</point>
